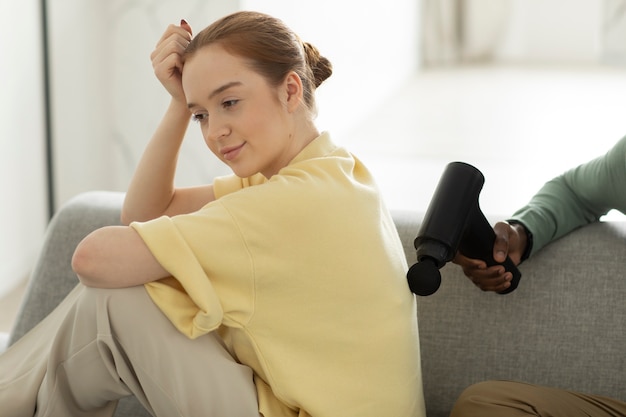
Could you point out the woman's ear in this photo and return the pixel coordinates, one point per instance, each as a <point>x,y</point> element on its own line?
<point>294,91</point>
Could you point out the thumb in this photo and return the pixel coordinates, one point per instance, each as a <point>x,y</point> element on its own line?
<point>501,243</point>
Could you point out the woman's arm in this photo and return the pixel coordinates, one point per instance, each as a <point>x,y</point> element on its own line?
<point>115,257</point>
<point>578,197</point>
<point>151,192</point>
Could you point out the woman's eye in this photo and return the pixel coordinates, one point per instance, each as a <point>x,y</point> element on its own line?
<point>229,103</point>
<point>199,117</point>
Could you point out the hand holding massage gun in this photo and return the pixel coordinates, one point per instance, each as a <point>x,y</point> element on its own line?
<point>454,222</point>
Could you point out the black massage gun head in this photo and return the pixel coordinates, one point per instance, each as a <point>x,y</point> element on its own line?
<point>424,277</point>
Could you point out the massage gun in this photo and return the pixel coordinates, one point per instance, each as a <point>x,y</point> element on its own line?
<point>454,221</point>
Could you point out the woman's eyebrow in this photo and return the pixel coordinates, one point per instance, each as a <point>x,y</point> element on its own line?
<point>224,88</point>
<point>219,90</point>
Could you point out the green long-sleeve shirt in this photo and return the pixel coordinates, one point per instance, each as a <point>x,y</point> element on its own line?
<point>577,197</point>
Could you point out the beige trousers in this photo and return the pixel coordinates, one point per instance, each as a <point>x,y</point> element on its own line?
<point>101,345</point>
<point>513,399</point>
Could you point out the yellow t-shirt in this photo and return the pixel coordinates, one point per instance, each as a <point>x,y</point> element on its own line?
<point>303,275</point>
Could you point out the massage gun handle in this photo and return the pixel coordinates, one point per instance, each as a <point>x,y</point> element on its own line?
<point>477,243</point>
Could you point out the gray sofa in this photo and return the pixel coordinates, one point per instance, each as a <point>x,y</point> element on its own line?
<point>563,326</point>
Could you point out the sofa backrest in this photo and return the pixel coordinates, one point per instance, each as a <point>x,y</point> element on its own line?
<point>562,327</point>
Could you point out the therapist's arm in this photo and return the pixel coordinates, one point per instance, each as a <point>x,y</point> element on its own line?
<point>576,198</point>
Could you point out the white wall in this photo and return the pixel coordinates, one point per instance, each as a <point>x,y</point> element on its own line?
<point>373,46</point>
<point>560,32</point>
<point>556,31</point>
<point>22,160</point>
<point>107,101</point>
<point>614,36</point>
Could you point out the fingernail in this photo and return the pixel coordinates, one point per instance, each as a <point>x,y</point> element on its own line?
<point>183,22</point>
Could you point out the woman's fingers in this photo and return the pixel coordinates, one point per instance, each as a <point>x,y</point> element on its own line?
<point>167,58</point>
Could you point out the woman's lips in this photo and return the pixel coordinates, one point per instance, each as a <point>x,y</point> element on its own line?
<point>231,153</point>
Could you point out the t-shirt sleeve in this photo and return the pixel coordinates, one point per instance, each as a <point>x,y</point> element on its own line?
<point>211,273</point>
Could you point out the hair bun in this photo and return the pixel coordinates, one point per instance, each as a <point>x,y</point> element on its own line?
<point>320,66</point>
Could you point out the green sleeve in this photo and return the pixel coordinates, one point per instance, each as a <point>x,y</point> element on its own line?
<point>577,197</point>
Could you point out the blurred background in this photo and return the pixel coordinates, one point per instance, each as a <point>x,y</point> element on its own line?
<point>522,89</point>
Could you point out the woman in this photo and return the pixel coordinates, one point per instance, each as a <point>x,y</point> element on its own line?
<point>279,290</point>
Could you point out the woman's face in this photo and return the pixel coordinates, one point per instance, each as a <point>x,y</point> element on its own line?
<point>245,122</point>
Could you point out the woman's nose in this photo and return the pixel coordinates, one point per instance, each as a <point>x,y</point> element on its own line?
<point>216,130</point>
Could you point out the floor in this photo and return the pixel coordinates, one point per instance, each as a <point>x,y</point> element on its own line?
<point>519,125</point>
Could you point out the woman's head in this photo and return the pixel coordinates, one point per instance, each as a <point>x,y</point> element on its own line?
<point>249,83</point>
<point>272,49</point>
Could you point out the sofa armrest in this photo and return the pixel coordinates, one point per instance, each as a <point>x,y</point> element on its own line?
<point>52,277</point>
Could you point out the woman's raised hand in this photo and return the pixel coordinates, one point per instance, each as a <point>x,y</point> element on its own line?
<point>167,58</point>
